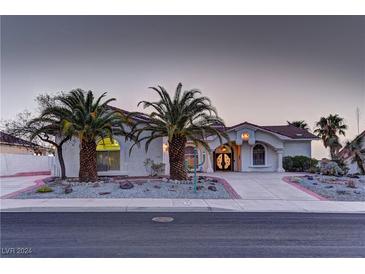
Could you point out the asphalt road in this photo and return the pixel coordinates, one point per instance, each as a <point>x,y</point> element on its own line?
<point>189,235</point>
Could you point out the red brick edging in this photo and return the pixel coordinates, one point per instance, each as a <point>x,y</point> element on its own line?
<point>288,180</point>
<point>232,193</point>
<point>37,184</point>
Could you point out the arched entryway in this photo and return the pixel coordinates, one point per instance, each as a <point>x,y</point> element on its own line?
<point>223,158</point>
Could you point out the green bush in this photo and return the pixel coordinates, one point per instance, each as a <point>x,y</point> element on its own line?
<point>44,189</point>
<point>300,164</point>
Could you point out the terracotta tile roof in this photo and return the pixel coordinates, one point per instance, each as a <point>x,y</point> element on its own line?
<point>291,132</point>
<point>344,152</point>
<point>12,140</point>
<point>285,130</point>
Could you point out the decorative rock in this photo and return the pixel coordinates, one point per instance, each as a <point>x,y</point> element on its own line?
<point>328,187</point>
<point>310,178</point>
<point>126,185</point>
<point>157,186</point>
<point>351,184</point>
<point>68,189</point>
<point>104,193</point>
<point>164,180</point>
<point>96,184</point>
<point>357,191</point>
<point>341,192</point>
<point>315,184</point>
<point>212,188</point>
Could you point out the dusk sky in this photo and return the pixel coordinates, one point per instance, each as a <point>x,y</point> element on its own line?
<point>261,69</point>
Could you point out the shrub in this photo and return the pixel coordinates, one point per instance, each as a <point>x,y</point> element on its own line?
<point>288,163</point>
<point>44,189</point>
<point>300,164</point>
<point>154,169</point>
<point>330,168</point>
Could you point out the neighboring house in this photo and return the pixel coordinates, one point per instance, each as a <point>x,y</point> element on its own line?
<point>346,156</point>
<point>13,145</point>
<point>252,148</point>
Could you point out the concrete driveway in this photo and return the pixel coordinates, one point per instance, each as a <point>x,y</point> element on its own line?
<point>13,184</point>
<point>264,186</point>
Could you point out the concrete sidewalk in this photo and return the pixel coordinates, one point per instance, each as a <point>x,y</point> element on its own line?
<point>178,205</point>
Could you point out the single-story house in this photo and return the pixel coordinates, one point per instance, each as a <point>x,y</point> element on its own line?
<point>347,156</point>
<point>10,144</point>
<point>252,148</point>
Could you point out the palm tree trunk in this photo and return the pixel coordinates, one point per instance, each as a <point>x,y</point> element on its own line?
<point>177,158</point>
<point>360,163</point>
<point>88,171</point>
<point>333,153</point>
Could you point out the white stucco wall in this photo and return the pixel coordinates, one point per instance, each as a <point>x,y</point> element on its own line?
<point>246,159</point>
<point>12,164</point>
<point>297,148</point>
<point>129,165</point>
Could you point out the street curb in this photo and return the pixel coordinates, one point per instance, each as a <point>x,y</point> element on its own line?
<point>117,209</point>
<point>161,209</point>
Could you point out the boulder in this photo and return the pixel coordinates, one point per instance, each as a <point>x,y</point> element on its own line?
<point>126,185</point>
<point>104,193</point>
<point>68,189</point>
<point>212,188</point>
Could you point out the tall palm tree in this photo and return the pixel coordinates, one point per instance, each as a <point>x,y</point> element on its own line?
<point>186,116</point>
<point>357,153</point>
<point>88,120</point>
<point>328,129</point>
<point>300,124</point>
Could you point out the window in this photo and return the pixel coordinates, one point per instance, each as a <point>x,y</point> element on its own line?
<point>258,155</point>
<point>108,155</point>
<point>189,156</point>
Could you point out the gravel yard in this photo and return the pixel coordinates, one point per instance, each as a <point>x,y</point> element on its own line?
<point>334,188</point>
<point>208,188</point>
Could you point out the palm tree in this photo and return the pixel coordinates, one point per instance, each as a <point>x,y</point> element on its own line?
<point>299,124</point>
<point>357,153</point>
<point>88,120</point>
<point>184,117</point>
<point>328,129</point>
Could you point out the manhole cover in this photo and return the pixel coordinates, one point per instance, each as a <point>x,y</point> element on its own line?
<point>163,219</point>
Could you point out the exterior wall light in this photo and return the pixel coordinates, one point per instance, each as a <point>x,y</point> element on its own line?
<point>245,136</point>
<point>165,147</point>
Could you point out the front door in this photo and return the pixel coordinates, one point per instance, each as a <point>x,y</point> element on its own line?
<point>223,161</point>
